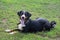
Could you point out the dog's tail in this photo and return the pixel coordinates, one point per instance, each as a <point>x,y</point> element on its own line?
<point>53,23</point>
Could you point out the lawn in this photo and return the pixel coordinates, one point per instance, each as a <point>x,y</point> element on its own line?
<point>49,9</point>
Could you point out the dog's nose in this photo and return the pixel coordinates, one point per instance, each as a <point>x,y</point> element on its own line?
<point>22,17</point>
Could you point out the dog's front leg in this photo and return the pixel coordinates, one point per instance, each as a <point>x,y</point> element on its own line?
<point>12,31</point>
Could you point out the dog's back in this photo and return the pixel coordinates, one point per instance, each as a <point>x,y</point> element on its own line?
<point>46,24</point>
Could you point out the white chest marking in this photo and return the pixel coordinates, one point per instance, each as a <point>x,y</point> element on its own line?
<point>20,26</point>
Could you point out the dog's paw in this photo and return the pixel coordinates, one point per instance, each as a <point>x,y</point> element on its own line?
<point>12,32</point>
<point>7,30</point>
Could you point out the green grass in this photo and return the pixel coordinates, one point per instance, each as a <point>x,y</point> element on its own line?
<point>49,9</point>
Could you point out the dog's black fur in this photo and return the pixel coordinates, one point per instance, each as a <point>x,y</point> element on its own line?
<point>40,24</point>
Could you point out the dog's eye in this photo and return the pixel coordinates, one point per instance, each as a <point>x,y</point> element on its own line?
<point>26,14</point>
<point>21,14</point>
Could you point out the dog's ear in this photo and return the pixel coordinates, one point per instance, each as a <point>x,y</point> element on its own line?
<point>29,14</point>
<point>19,13</point>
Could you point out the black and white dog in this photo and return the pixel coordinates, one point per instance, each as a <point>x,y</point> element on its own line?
<point>28,25</point>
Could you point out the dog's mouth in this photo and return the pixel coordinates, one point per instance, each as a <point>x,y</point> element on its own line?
<point>22,20</point>
<point>22,24</point>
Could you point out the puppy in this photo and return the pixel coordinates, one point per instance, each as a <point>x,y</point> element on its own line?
<point>39,24</point>
<point>28,25</point>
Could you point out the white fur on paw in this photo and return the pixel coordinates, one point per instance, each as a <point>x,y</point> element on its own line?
<point>8,30</point>
<point>12,32</point>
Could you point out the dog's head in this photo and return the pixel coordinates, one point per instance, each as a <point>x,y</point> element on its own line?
<point>24,15</point>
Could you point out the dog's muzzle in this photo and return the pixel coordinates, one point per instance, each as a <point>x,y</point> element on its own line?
<point>23,17</point>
